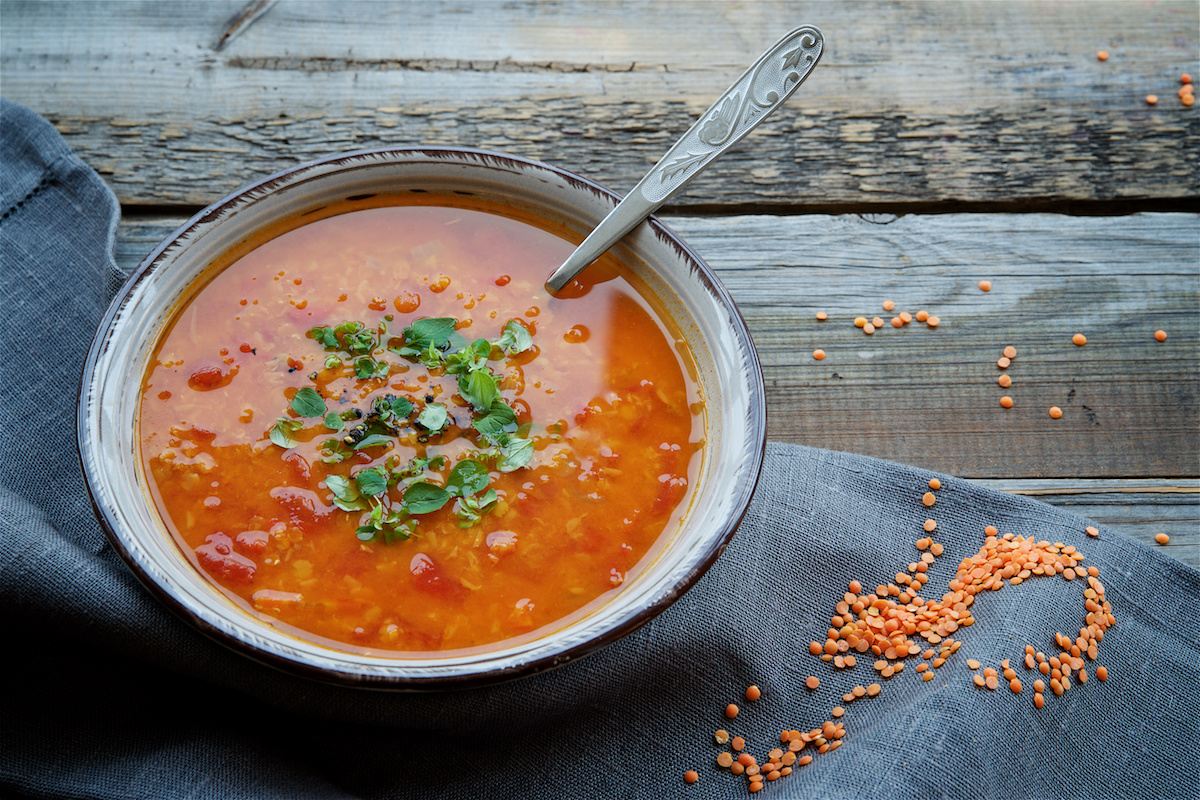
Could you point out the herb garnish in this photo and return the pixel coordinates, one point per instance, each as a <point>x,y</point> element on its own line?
<point>388,496</point>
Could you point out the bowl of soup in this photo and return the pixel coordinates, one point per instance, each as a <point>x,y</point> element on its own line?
<point>336,422</point>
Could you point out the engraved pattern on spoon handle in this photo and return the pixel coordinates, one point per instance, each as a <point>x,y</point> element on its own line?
<point>760,90</point>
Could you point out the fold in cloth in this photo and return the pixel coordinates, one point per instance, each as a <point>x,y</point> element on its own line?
<point>107,694</point>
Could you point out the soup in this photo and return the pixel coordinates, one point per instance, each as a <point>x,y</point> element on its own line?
<point>377,431</point>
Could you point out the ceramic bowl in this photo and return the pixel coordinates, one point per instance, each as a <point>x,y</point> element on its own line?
<point>728,371</point>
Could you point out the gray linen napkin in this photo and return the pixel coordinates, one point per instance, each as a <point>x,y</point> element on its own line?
<point>106,694</point>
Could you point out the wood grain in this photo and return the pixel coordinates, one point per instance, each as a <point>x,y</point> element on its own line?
<point>929,397</point>
<point>915,103</point>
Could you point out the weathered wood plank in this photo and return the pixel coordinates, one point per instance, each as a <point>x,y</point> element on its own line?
<point>929,397</point>
<point>924,102</point>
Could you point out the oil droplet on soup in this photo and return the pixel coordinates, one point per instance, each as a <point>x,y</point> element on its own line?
<point>263,465</point>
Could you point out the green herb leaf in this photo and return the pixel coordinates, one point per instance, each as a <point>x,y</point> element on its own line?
<point>373,440</point>
<point>333,421</point>
<point>433,417</point>
<point>307,403</point>
<point>366,368</point>
<point>473,356</point>
<point>334,451</point>
<point>515,338</point>
<point>281,432</point>
<point>345,493</point>
<point>423,497</point>
<point>468,477</point>
<point>371,481</point>
<point>433,331</point>
<point>479,388</point>
<point>332,362</point>
<point>516,454</point>
<point>500,421</point>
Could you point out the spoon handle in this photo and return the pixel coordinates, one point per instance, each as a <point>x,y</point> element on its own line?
<point>760,90</point>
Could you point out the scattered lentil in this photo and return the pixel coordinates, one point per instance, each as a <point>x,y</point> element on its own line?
<point>932,321</point>
<point>1004,381</point>
<point>888,305</point>
<point>897,322</point>
<point>819,355</point>
<point>1101,673</point>
<point>731,710</point>
<point>1055,412</point>
<point>1039,700</point>
<point>1160,336</point>
<point>1079,339</point>
<point>922,315</point>
<point>722,736</point>
<point>877,322</point>
<point>906,317</point>
<point>869,328</point>
<point>739,744</point>
<point>1093,532</point>
<point>1010,352</point>
<point>1161,538</point>
<point>1151,99</point>
<point>935,484</point>
<point>930,525</point>
<point>822,316</point>
<point>812,682</point>
<point>753,693</point>
<point>838,711</point>
<point>928,498</point>
<point>985,286</point>
<point>1006,402</point>
<point>860,322</point>
<point>725,760</point>
<point>1101,55</point>
<point>691,776</point>
<point>1003,363</point>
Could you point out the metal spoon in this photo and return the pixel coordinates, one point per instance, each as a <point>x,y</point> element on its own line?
<point>760,90</point>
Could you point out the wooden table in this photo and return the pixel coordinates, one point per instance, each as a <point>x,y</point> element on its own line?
<point>935,146</point>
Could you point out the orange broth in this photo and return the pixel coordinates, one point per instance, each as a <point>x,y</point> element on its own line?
<point>606,395</point>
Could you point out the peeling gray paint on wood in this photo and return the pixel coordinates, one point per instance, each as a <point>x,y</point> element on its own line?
<point>1012,107</point>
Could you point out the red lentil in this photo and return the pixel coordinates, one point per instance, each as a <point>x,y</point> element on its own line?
<point>753,693</point>
<point>819,355</point>
<point>1151,99</point>
<point>1160,336</point>
<point>1091,531</point>
<point>1039,700</point>
<point>1102,55</point>
<point>725,760</point>
<point>812,682</point>
<point>922,315</point>
<point>906,317</point>
<point>691,776</point>
<point>985,286</point>
<point>1079,339</point>
<point>860,322</point>
<point>935,484</point>
<point>1003,363</point>
<point>722,736</point>
<point>930,525</point>
<point>731,710</point>
<point>822,316</point>
<point>1161,538</point>
<point>933,321</point>
<point>869,328</point>
<point>888,305</point>
<point>1006,402</point>
<point>739,744</point>
<point>1004,381</point>
<point>1101,673</point>
<point>1010,352</point>
<point>928,498</point>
